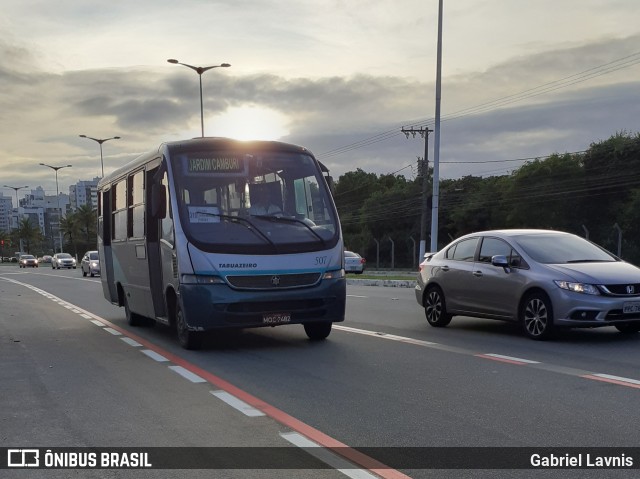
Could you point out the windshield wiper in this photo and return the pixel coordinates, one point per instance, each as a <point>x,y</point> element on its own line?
<point>288,219</point>
<point>243,221</point>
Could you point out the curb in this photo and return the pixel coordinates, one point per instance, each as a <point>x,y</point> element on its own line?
<point>389,283</point>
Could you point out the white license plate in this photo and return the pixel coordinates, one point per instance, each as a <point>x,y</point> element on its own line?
<point>276,318</point>
<point>631,308</point>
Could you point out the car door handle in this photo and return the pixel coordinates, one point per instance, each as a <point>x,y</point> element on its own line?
<point>477,274</point>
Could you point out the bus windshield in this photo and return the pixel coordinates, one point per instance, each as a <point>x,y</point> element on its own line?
<point>261,202</point>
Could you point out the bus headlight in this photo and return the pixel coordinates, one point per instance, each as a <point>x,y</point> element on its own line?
<point>336,274</point>
<point>201,279</point>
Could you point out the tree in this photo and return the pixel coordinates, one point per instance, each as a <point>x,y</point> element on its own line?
<point>28,233</point>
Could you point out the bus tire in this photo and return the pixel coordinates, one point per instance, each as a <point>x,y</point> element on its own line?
<point>187,339</point>
<point>318,331</point>
<point>133,319</point>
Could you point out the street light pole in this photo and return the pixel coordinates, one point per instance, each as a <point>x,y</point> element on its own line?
<point>16,188</point>
<point>199,71</point>
<point>56,168</point>
<point>100,142</point>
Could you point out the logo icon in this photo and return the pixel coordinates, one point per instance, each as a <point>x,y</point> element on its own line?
<point>630,289</point>
<point>275,280</point>
<point>23,458</point>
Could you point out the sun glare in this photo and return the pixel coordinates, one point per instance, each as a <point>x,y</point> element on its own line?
<point>248,123</point>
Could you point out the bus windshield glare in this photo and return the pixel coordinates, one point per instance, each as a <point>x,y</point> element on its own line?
<point>260,203</point>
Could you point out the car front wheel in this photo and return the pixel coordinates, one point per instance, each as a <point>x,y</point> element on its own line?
<point>435,308</point>
<point>536,316</point>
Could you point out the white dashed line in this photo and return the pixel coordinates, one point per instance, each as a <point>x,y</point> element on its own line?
<point>391,337</point>
<point>85,316</point>
<point>97,323</point>
<point>185,373</point>
<point>131,342</point>
<point>153,355</point>
<point>507,358</point>
<point>326,456</point>
<point>113,331</point>
<point>238,404</point>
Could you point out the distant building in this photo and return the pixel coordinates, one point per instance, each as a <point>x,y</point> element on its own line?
<point>6,210</point>
<point>44,210</point>
<point>84,193</point>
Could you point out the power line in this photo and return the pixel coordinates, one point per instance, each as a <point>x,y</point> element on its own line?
<point>565,82</point>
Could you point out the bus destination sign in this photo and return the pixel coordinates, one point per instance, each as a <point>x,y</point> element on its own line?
<point>222,164</point>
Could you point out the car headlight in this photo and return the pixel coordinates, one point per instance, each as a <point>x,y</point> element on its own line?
<point>94,265</point>
<point>578,287</point>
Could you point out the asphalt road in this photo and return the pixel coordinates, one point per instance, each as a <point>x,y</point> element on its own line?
<point>384,378</point>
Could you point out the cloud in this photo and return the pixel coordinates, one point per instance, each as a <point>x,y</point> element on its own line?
<point>350,121</point>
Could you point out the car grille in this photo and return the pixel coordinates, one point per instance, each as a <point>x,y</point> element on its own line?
<point>274,281</point>
<point>621,289</point>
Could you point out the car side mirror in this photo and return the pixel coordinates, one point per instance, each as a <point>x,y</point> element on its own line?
<point>500,261</point>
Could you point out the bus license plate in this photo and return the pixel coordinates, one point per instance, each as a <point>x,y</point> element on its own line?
<point>631,308</point>
<point>276,318</point>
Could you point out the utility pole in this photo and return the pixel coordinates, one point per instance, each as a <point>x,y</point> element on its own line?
<point>424,133</point>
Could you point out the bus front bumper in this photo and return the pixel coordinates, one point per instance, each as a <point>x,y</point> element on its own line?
<point>218,306</point>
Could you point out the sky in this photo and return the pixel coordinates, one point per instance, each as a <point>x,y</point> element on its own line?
<point>520,80</point>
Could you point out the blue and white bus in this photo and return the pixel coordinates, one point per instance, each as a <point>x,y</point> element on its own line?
<point>182,242</point>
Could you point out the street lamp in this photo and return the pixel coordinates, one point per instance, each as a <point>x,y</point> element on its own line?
<point>16,188</point>
<point>200,71</point>
<point>100,142</point>
<point>56,168</point>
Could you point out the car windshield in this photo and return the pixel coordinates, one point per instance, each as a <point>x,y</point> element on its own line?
<point>349,254</point>
<point>64,256</point>
<point>27,256</point>
<point>93,256</point>
<point>561,249</point>
<point>264,202</point>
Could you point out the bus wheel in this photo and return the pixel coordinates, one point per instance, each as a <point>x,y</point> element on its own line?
<point>318,331</point>
<point>187,339</point>
<point>133,319</point>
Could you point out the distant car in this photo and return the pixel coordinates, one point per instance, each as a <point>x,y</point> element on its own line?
<point>542,279</point>
<point>353,262</point>
<point>28,261</point>
<point>63,260</point>
<point>46,259</point>
<point>90,263</point>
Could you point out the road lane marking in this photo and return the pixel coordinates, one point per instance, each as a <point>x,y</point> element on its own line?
<point>153,355</point>
<point>98,323</point>
<point>113,331</point>
<point>237,404</point>
<point>608,378</point>
<point>391,337</point>
<point>185,373</point>
<point>356,296</point>
<point>131,342</point>
<point>506,359</point>
<point>327,456</point>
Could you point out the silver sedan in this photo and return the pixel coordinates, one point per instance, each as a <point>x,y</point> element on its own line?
<point>543,279</point>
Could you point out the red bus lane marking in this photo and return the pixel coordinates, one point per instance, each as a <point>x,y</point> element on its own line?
<point>606,378</point>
